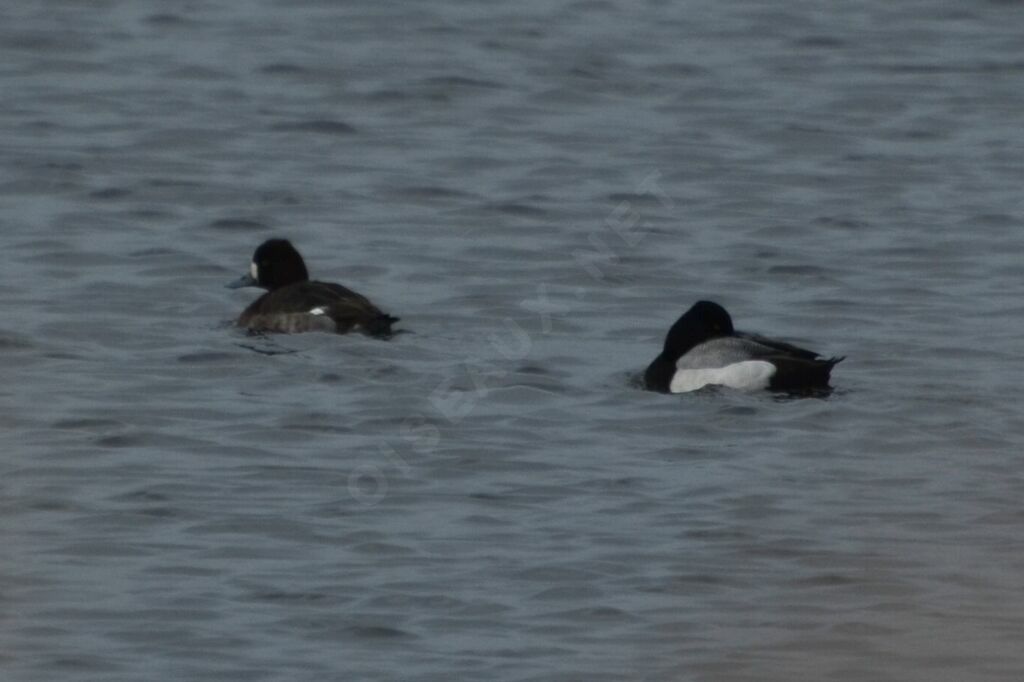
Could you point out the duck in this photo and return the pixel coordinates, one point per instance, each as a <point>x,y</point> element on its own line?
<point>703,349</point>
<point>293,303</point>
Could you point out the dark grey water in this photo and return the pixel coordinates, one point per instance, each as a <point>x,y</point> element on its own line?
<point>538,190</point>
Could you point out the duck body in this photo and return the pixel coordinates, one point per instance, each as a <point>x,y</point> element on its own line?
<point>293,303</point>
<point>702,349</point>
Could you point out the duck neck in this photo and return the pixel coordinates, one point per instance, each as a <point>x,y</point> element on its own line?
<point>658,376</point>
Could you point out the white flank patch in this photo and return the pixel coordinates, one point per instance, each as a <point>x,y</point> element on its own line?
<point>319,310</point>
<point>254,271</point>
<point>748,375</point>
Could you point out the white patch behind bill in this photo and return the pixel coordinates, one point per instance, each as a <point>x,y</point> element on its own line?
<point>254,271</point>
<point>319,310</point>
<point>748,375</point>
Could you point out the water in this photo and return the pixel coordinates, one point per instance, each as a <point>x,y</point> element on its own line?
<point>538,190</point>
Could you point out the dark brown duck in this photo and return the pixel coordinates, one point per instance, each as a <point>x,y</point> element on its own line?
<point>293,303</point>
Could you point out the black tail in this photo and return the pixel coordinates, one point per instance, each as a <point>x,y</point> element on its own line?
<point>381,325</point>
<point>796,374</point>
<point>830,363</point>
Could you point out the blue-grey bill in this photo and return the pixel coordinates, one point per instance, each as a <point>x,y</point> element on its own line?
<point>245,280</point>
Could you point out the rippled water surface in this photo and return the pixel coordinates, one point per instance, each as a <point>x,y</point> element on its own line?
<point>538,190</point>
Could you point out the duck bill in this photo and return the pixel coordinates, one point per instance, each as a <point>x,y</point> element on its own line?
<point>245,280</point>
